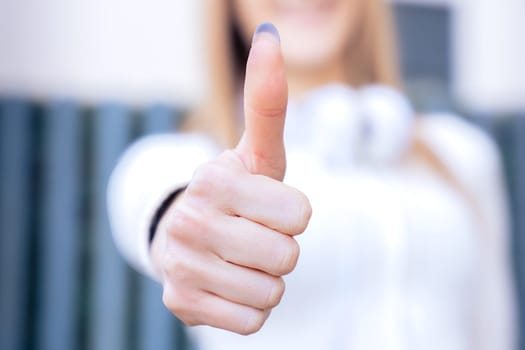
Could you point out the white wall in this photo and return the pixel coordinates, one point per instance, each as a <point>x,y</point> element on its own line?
<point>139,51</point>
<point>490,54</point>
<point>133,50</point>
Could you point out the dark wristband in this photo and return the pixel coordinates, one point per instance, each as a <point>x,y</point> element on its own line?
<point>161,211</point>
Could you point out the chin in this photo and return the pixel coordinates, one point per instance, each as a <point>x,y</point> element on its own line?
<point>309,59</point>
<point>311,50</point>
<point>316,42</point>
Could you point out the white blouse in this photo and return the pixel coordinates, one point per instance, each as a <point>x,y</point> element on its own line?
<point>393,257</point>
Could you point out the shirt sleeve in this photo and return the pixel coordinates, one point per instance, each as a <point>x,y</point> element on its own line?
<point>149,171</point>
<point>474,160</point>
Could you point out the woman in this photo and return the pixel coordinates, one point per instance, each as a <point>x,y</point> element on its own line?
<point>406,247</point>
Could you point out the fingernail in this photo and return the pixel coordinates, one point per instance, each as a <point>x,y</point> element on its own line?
<point>269,28</point>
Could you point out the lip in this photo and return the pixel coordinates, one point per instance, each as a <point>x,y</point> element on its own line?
<point>309,13</point>
<point>298,6</point>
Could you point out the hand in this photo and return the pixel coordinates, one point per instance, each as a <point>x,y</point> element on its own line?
<point>222,248</point>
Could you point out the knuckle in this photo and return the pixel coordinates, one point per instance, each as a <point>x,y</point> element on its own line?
<point>253,323</point>
<point>172,301</point>
<point>205,180</point>
<point>180,270</point>
<point>212,180</point>
<point>190,226</point>
<point>289,257</point>
<point>303,213</point>
<point>179,304</point>
<point>275,293</point>
<point>181,222</point>
<point>188,318</point>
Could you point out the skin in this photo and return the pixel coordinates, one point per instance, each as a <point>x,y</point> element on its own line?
<point>222,248</point>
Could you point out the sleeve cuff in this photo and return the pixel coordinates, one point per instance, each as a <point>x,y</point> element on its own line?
<point>161,210</point>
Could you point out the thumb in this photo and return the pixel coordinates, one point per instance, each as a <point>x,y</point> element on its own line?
<point>265,98</point>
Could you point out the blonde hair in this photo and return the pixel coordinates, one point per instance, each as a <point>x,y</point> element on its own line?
<point>372,59</point>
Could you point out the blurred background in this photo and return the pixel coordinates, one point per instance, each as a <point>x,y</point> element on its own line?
<point>80,80</point>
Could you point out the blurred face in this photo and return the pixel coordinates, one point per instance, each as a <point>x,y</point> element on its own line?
<point>314,33</point>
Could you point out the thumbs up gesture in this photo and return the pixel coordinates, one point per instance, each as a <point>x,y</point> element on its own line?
<point>222,248</point>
